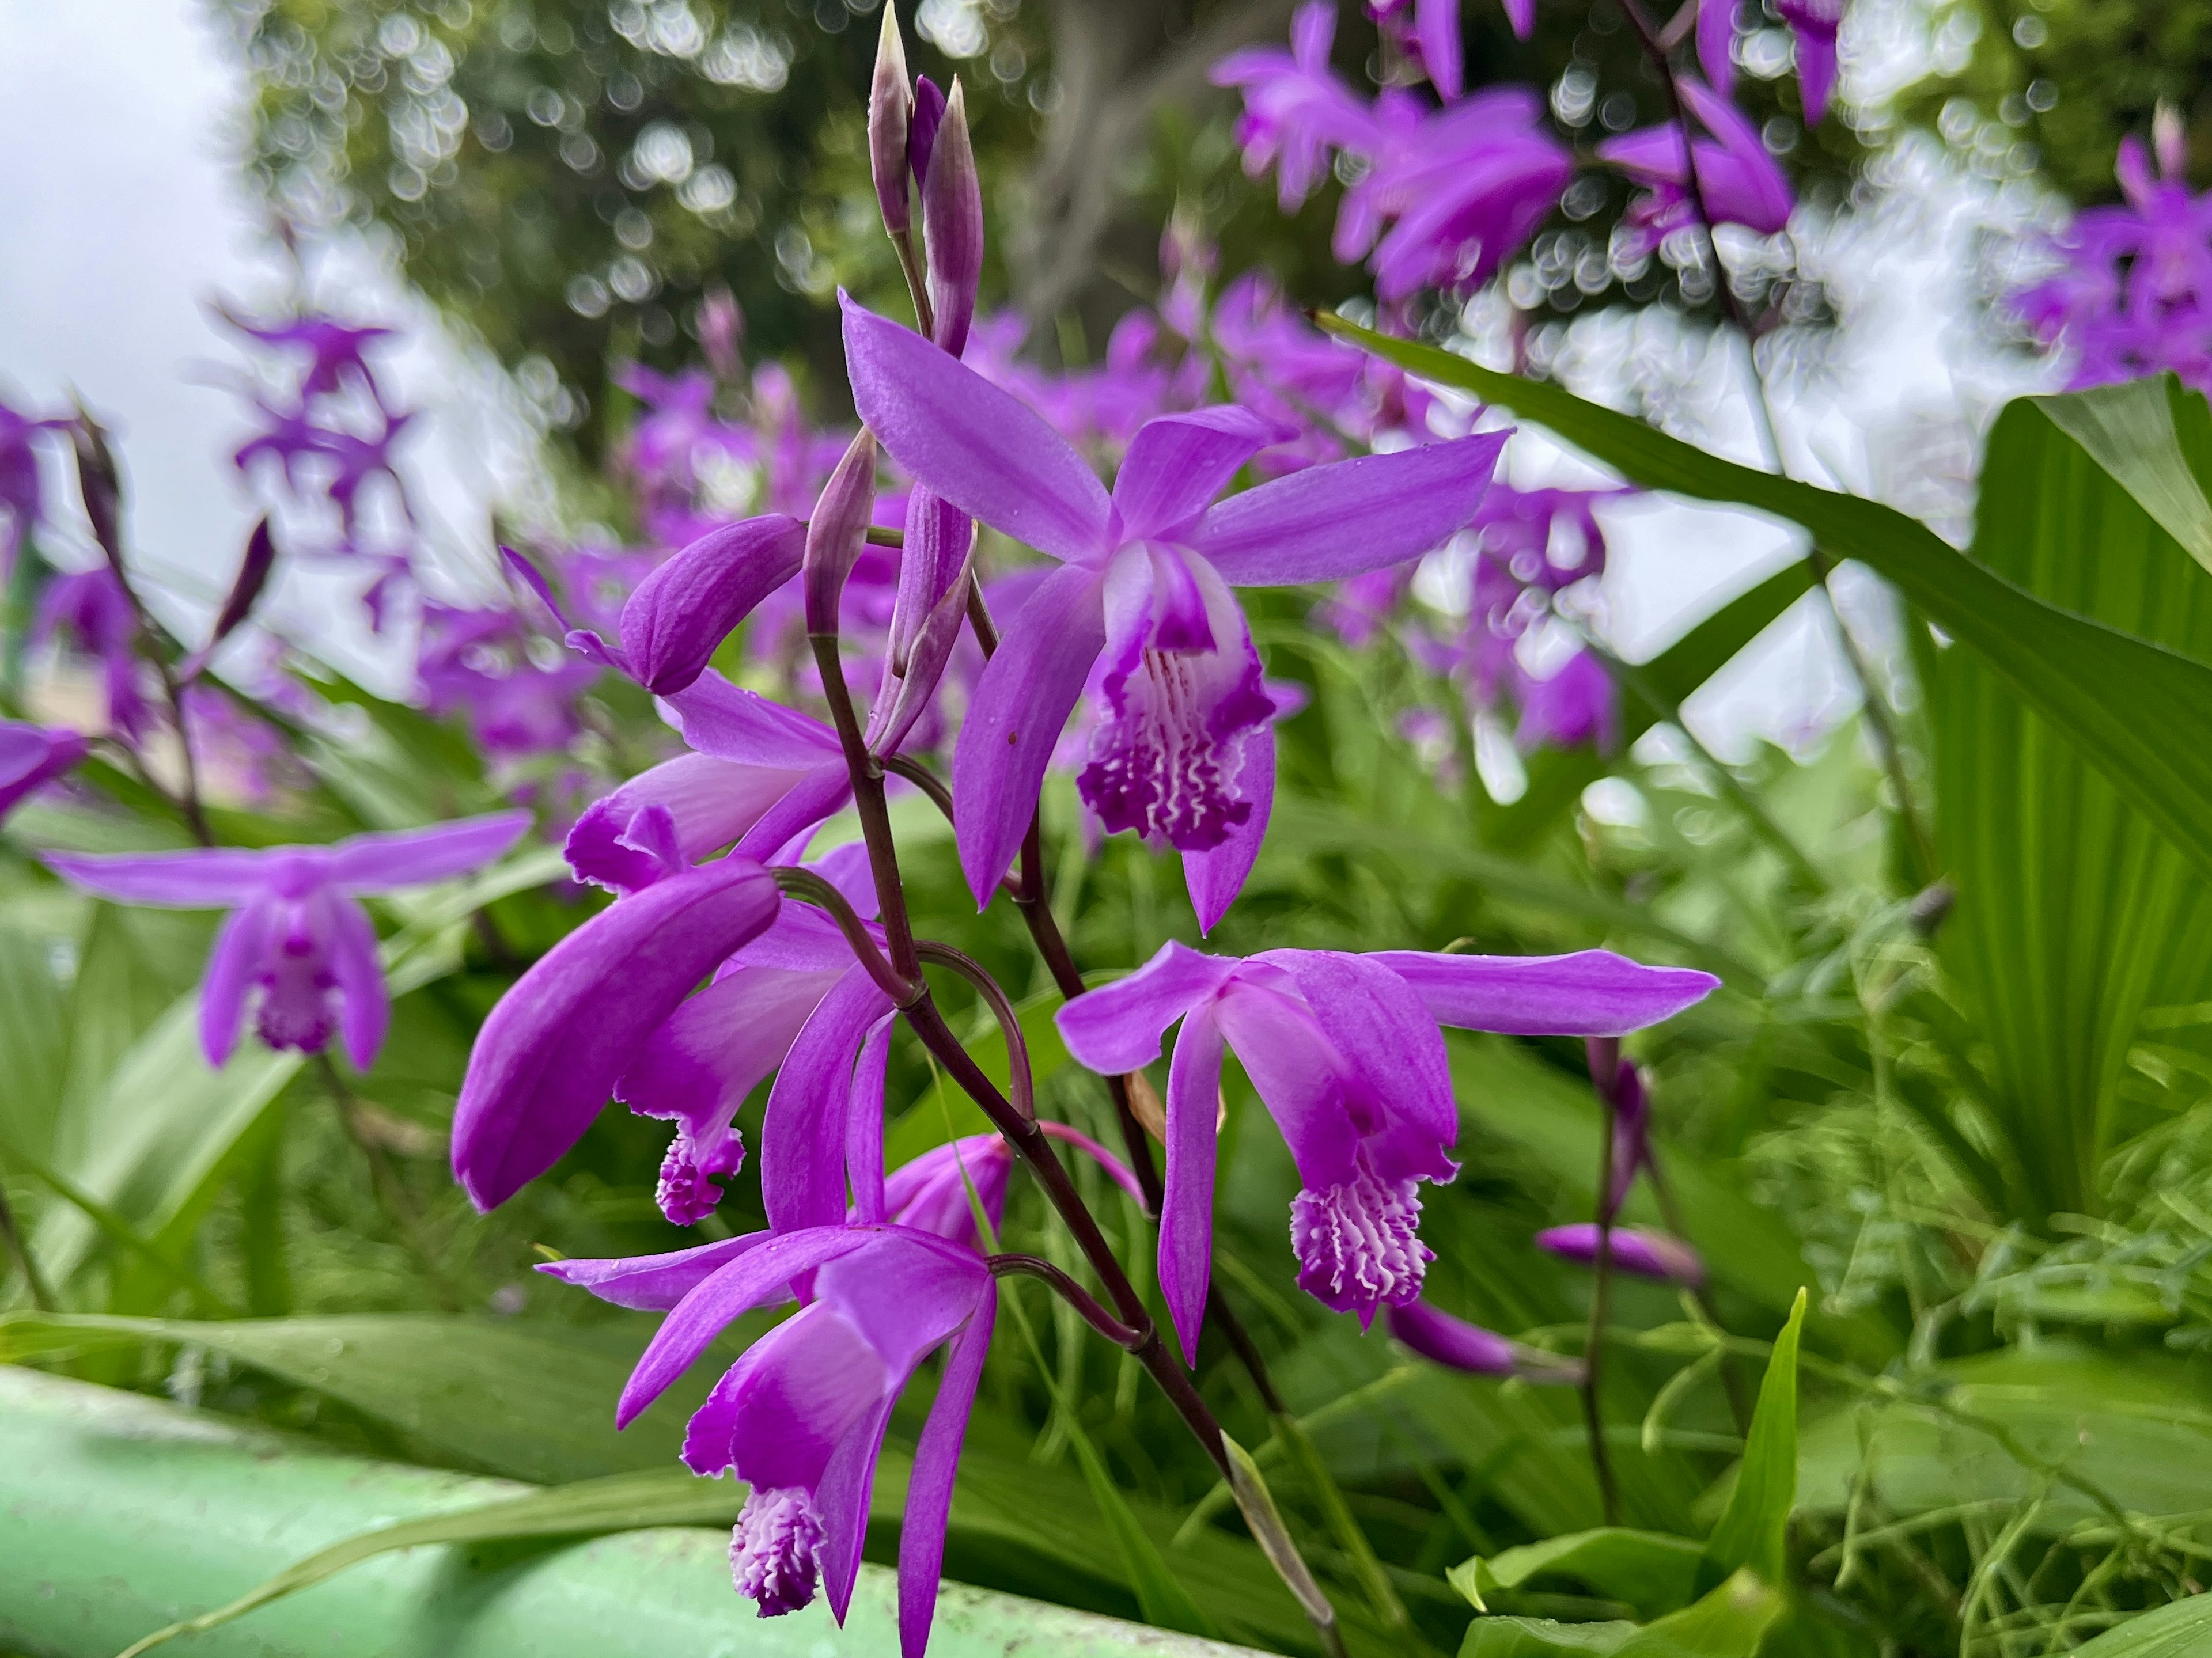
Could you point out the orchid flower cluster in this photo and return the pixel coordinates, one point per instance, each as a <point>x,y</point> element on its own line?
<point>2133,295</point>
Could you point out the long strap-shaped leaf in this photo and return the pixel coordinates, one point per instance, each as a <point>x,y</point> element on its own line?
<point>2142,714</point>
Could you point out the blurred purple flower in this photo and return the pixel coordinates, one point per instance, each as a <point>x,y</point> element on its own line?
<point>1814,25</point>
<point>297,933</point>
<point>93,608</point>
<point>22,495</point>
<point>479,664</point>
<point>1431,36</point>
<point>1632,1249</point>
<point>31,757</point>
<point>1296,110</point>
<point>1739,180</point>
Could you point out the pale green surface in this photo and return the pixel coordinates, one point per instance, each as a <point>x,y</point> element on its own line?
<point>119,1513</point>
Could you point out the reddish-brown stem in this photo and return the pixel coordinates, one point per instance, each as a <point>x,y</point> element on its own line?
<point>1094,1314</point>
<point>1010,1023</point>
<point>867,780</point>
<point>806,884</point>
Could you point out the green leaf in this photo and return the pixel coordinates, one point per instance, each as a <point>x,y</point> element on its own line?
<point>1541,1638</point>
<point>2133,430</point>
<point>2094,684</point>
<point>532,1401</point>
<point>1649,1571</point>
<point>2182,1630</point>
<point>622,1502</point>
<point>2074,914</point>
<point>1729,1621</point>
<point>1754,1530</point>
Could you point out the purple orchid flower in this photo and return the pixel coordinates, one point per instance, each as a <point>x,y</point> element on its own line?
<point>801,1416</point>
<point>1458,1345</point>
<point>1184,752</point>
<point>1632,1249</point>
<point>336,351</point>
<point>93,607</point>
<point>1737,177</point>
<point>297,933</point>
<point>1813,27</point>
<point>1434,39</point>
<point>1631,1131</point>
<point>477,663</point>
<point>558,1044</point>
<point>1296,110</point>
<point>1577,704</point>
<point>31,757</point>
<point>759,776</point>
<point>22,492</point>
<point>1345,1054</point>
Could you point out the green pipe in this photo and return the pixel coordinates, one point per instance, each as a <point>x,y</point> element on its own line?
<point>120,1514</point>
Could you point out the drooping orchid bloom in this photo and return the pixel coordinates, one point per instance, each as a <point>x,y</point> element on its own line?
<point>1347,1056</point>
<point>759,774</point>
<point>801,1416</point>
<point>1458,1344</point>
<point>1183,752</point>
<point>553,1049</point>
<point>31,757</point>
<point>1632,1249</point>
<point>297,934</point>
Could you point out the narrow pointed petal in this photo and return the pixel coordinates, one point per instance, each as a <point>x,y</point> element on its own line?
<point>1215,877</point>
<point>755,1278</point>
<point>863,1123</point>
<point>652,1284</point>
<point>842,1500</point>
<point>1116,1028</point>
<point>710,803</point>
<point>977,446</point>
<point>364,1003</point>
<point>413,858</point>
<point>1193,1106</point>
<point>240,945</point>
<point>1715,44</point>
<point>818,796</point>
<point>547,1059</point>
<point>1453,1342</point>
<point>935,570</point>
<point>680,613</point>
<point>929,1488</point>
<point>1435,26</point>
<point>1376,1023</point>
<point>891,112</point>
<point>203,878</point>
<point>1020,707</point>
<point>1328,522</point>
<point>1177,464</point>
<point>1592,993</point>
<point>1630,1250</point>
<point>803,1130</point>
<point>720,719</point>
<point>1521,17</point>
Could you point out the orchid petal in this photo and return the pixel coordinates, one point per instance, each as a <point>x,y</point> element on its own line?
<point>1591,992</point>
<point>548,1056</point>
<point>1435,26</point>
<point>1020,707</point>
<point>364,1003</point>
<point>841,1501</point>
<point>812,800</point>
<point>1116,1028</point>
<point>1297,1074</point>
<point>1214,877</point>
<point>1327,522</point>
<point>414,858</point>
<point>1177,464</point>
<point>1716,41</point>
<point>977,446</point>
<point>1193,1105</point>
<point>203,878</point>
<point>803,1130</point>
<point>1374,1023</point>
<point>240,945</point>
<point>710,802</point>
<point>754,1278</point>
<point>652,1284</point>
<point>864,1122</point>
<point>1452,1342</point>
<point>718,717</point>
<point>929,1487</point>
<point>801,1394</point>
<point>683,609</point>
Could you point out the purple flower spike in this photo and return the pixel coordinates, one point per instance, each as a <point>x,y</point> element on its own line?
<point>1345,1054</point>
<point>679,613</point>
<point>31,757</point>
<point>838,531</point>
<point>297,934</point>
<point>1459,1345</point>
<point>1632,1249</point>
<point>1181,752</point>
<point>801,1416</point>
<point>558,1044</point>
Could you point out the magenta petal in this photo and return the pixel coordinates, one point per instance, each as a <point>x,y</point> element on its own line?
<point>1328,522</point>
<point>1452,1341</point>
<point>934,572</point>
<point>1630,1250</point>
<point>547,1059</point>
<point>812,800</point>
<point>203,878</point>
<point>929,1487</point>
<point>803,1131</point>
<point>652,1284</point>
<point>841,1501</point>
<point>1020,707</point>
<point>863,1123</point>
<point>1716,41</point>
<point>1435,26</point>
<point>710,802</point>
<point>1215,877</point>
<point>719,719</point>
<point>1816,71</point>
<point>1193,1105</point>
<point>412,858</point>
<point>1177,464</point>
<point>683,611</point>
<point>1116,1028</point>
<point>977,446</point>
<point>1592,993</point>
<point>1521,17</point>
<point>364,1003</point>
<point>31,756</point>
<point>1396,1075</point>
<point>241,943</point>
<point>1297,1076</point>
<point>753,1279</point>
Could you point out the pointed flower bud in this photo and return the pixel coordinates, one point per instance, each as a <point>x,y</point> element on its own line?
<point>952,221</point>
<point>891,114</point>
<point>921,135</point>
<point>835,535</point>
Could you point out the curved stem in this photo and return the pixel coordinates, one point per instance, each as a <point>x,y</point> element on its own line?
<point>1002,1010</point>
<point>901,765</point>
<point>804,883</point>
<point>1094,1314</point>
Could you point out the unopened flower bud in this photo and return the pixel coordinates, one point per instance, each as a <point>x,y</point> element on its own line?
<point>953,221</point>
<point>891,114</point>
<point>921,135</point>
<point>721,327</point>
<point>837,531</point>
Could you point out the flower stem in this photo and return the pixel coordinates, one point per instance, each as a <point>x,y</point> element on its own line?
<point>1608,1494</point>
<point>1094,1314</point>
